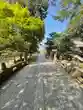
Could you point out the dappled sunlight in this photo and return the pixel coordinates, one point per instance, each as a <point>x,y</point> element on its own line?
<point>41,55</point>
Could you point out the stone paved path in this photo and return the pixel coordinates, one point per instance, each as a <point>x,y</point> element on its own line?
<point>41,86</point>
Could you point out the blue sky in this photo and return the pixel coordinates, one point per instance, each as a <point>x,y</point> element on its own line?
<point>52,25</point>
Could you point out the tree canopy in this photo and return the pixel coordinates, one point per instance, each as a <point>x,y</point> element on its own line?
<point>71,10</point>
<point>19,30</point>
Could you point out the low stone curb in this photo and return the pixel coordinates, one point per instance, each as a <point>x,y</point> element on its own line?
<point>8,72</point>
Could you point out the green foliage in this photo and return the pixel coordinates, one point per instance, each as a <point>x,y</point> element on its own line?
<point>49,44</point>
<point>61,15</point>
<point>75,28</point>
<point>68,9</point>
<point>72,10</point>
<point>18,29</point>
<point>55,35</point>
<point>65,45</point>
<point>62,42</point>
<point>39,6</point>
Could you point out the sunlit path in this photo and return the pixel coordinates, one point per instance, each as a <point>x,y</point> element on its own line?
<point>41,86</point>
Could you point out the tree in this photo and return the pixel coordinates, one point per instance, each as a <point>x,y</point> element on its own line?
<point>21,30</point>
<point>49,45</point>
<point>71,10</point>
<point>62,43</point>
<point>68,9</point>
<point>37,8</point>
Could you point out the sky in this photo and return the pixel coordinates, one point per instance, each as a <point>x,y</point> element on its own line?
<point>52,25</point>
